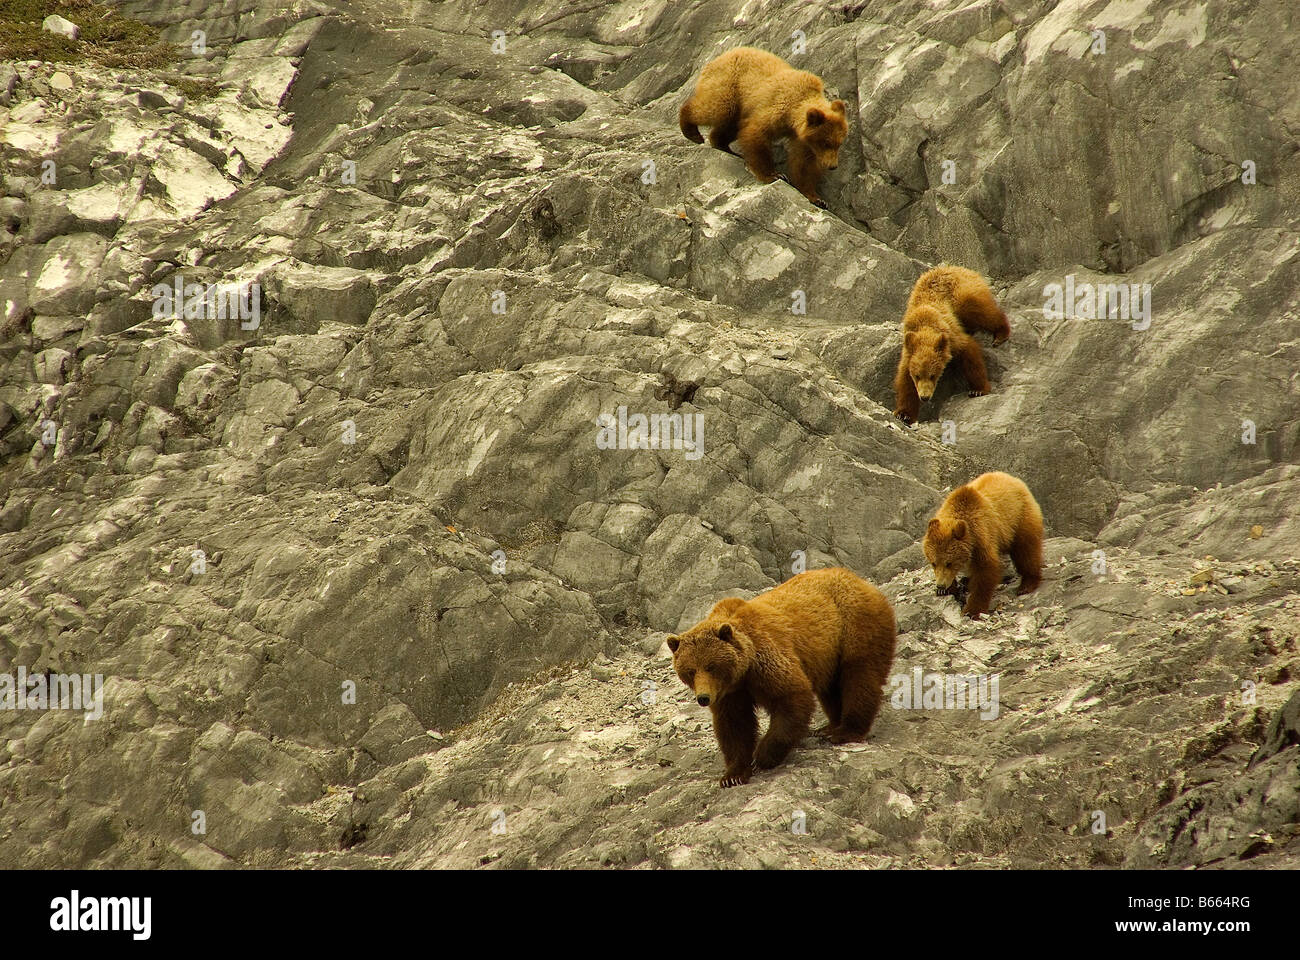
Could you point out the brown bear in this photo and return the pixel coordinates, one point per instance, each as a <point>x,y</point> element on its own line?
<point>824,635</point>
<point>947,305</point>
<point>993,514</point>
<point>757,98</point>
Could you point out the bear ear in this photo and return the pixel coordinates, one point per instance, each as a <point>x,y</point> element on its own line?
<point>909,340</point>
<point>942,343</point>
<point>959,530</point>
<point>816,117</point>
<point>933,528</point>
<point>726,635</point>
<point>673,643</point>
<point>838,106</point>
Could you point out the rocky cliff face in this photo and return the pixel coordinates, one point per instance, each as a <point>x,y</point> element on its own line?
<point>365,586</point>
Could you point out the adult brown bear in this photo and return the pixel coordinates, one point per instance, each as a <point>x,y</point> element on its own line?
<point>823,635</point>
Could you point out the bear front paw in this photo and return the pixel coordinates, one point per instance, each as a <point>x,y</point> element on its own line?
<point>735,779</point>
<point>782,177</point>
<point>905,417</point>
<point>973,614</point>
<point>979,393</point>
<point>820,204</point>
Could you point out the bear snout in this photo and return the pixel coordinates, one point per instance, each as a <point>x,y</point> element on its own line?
<point>705,689</point>
<point>944,579</point>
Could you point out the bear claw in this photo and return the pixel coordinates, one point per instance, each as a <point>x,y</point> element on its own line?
<point>820,204</point>
<point>904,417</point>
<point>735,779</point>
<point>979,393</point>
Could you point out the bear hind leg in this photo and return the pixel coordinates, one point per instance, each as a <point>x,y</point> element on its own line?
<point>860,688</point>
<point>686,119</point>
<point>1027,557</point>
<point>978,310</point>
<point>723,133</point>
<point>832,706</point>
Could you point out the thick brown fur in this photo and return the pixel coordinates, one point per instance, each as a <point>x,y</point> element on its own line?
<point>756,98</point>
<point>947,305</point>
<point>824,635</point>
<point>993,514</point>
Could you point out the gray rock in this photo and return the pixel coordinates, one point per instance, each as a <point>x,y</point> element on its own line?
<point>51,365</point>
<point>61,26</point>
<point>8,83</point>
<point>1283,731</point>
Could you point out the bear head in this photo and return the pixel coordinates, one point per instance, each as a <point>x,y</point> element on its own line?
<point>928,349</point>
<point>823,128</point>
<point>948,547</point>
<point>711,658</point>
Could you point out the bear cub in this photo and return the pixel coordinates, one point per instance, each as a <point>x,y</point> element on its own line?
<point>824,635</point>
<point>993,514</point>
<point>756,98</point>
<point>947,305</point>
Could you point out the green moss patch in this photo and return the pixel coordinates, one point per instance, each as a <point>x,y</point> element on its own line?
<point>194,88</point>
<point>106,36</point>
